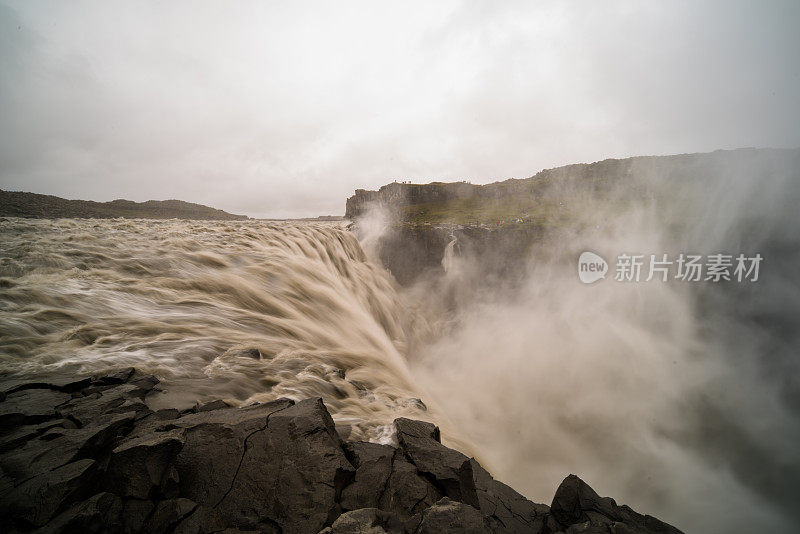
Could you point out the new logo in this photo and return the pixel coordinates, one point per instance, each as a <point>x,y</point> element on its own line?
<point>591,267</point>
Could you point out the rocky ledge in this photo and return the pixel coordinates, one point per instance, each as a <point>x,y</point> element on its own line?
<point>89,455</point>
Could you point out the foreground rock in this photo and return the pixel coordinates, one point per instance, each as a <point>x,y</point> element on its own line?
<point>89,456</point>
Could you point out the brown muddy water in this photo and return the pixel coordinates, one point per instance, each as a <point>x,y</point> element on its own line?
<point>243,311</point>
<point>676,399</point>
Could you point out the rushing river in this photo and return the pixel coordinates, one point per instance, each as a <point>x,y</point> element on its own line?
<point>243,311</point>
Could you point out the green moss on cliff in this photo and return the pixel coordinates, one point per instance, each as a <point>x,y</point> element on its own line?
<point>517,209</point>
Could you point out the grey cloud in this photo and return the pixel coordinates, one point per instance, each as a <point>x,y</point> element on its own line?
<point>282,109</point>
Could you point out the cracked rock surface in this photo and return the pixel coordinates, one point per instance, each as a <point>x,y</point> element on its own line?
<point>88,455</point>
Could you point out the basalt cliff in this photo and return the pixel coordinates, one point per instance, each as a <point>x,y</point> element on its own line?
<point>500,222</point>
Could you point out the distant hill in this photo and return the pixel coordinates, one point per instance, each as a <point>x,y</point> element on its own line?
<point>20,204</point>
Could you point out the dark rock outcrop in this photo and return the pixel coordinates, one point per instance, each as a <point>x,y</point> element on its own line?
<point>579,506</point>
<point>366,521</point>
<point>90,456</point>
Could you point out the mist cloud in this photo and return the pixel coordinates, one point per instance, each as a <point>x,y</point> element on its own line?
<point>676,398</point>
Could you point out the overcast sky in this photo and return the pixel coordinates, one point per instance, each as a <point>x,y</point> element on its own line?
<point>284,108</point>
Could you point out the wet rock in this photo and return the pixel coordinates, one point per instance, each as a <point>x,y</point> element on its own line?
<point>373,463</point>
<point>203,520</point>
<point>414,403</point>
<point>238,352</point>
<point>33,458</point>
<point>504,509</point>
<point>420,442</point>
<point>574,498</point>
<point>100,513</point>
<point>134,514</point>
<point>407,490</point>
<point>58,446</point>
<point>451,517</point>
<point>251,353</point>
<point>344,431</point>
<point>36,500</point>
<point>166,414</point>
<point>366,521</point>
<point>63,384</point>
<point>291,474</point>
<point>138,466</point>
<point>116,399</point>
<point>97,437</point>
<point>361,388</point>
<point>462,479</point>
<point>385,480</point>
<point>168,514</point>
<point>17,437</point>
<point>144,384</point>
<point>215,446</point>
<point>30,406</point>
<point>578,508</point>
<point>213,405</point>
<point>72,384</point>
<point>170,484</point>
<point>118,377</point>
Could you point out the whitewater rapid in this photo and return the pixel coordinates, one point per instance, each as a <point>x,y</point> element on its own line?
<point>243,311</point>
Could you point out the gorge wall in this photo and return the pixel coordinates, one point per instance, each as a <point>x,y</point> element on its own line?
<point>500,221</point>
<point>416,252</point>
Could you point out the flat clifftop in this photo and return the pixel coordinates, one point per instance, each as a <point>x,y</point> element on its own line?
<point>399,194</point>
<point>89,455</point>
<point>545,198</point>
<point>33,205</point>
<point>498,223</point>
